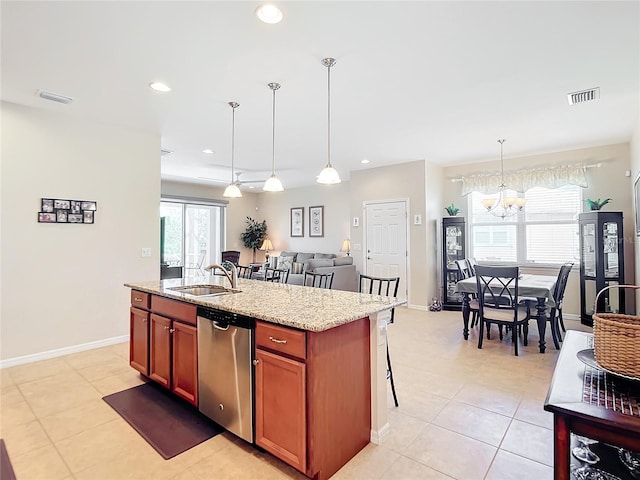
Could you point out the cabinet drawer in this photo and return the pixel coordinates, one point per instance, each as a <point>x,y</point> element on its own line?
<point>281,339</point>
<point>140,299</point>
<point>176,310</point>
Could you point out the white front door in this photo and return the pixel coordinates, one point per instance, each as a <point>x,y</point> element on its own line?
<point>386,241</point>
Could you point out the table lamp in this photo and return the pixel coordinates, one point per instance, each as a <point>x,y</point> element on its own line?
<point>266,245</point>
<point>346,246</point>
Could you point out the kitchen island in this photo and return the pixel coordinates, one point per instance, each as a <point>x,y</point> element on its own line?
<point>319,361</point>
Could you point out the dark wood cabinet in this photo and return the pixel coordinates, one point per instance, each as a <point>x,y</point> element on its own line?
<point>160,350</point>
<point>185,362</point>
<point>313,395</point>
<point>139,340</point>
<point>601,263</point>
<point>453,248</point>
<point>164,343</point>
<point>281,426</point>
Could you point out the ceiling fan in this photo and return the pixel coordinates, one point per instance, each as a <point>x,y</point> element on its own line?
<point>238,182</point>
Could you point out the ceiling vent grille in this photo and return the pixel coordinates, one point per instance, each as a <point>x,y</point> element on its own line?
<point>165,152</point>
<point>584,96</point>
<point>55,97</point>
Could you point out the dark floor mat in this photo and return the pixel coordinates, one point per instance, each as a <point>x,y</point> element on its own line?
<point>6,470</point>
<point>169,424</point>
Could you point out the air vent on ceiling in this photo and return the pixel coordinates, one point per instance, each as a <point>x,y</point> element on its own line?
<point>165,152</point>
<point>584,96</point>
<point>54,97</point>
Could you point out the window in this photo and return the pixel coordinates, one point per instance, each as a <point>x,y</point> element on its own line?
<point>189,229</point>
<point>544,233</point>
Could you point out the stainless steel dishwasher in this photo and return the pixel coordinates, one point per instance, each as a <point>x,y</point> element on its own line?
<point>225,370</point>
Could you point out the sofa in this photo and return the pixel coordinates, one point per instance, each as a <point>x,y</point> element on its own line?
<point>345,275</point>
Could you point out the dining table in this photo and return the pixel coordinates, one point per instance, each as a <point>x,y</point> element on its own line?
<point>539,287</point>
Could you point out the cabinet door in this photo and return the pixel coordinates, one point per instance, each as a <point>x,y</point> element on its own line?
<point>160,350</point>
<point>185,362</point>
<point>281,426</point>
<point>139,340</point>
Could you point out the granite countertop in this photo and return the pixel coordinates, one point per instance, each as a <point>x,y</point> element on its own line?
<point>306,308</point>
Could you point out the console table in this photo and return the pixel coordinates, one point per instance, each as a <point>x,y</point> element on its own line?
<point>589,402</point>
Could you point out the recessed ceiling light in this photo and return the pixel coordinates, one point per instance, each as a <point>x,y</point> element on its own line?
<point>208,151</point>
<point>251,186</point>
<point>269,13</point>
<point>364,161</point>
<point>159,87</point>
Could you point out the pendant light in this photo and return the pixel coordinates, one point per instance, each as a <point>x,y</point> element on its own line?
<point>329,175</point>
<point>232,190</point>
<point>273,184</point>
<point>503,206</point>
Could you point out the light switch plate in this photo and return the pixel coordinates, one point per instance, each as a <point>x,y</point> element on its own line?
<point>146,252</point>
<point>356,221</point>
<point>417,219</point>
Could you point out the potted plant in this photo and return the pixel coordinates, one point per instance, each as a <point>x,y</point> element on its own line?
<point>253,235</point>
<point>596,204</point>
<point>452,210</point>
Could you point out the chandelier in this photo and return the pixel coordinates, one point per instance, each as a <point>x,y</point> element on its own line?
<point>503,206</point>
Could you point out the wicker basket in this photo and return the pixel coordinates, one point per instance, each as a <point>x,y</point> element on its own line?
<point>617,339</point>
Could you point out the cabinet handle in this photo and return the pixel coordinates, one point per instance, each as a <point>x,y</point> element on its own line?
<point>171,330</point>
<point>256,361</point>
<point>144,320</point>
<point>275,340</point>
<point>137,299</point>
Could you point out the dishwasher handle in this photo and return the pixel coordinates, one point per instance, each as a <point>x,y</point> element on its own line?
<point>220,325</point>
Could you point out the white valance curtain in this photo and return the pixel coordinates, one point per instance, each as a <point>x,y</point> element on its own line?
<point>523,180</point>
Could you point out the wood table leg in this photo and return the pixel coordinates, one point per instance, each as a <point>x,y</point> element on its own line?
<point>561,444</point>
<point>465,315</point>
<point>542,322</point>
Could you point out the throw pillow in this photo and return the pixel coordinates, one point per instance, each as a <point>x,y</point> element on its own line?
<point>285,263</point>
<point>296,268</point>
<point>324,255</point>
<point>342,261</point>
<point>289,254</point>
<point>319,262</point>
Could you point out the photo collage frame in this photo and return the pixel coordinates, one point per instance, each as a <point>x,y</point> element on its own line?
<point>56,210</point>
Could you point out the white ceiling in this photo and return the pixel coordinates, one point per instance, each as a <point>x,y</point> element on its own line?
<point>439,81</point>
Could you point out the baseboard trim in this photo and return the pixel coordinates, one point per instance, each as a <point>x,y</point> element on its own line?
<point>59,352</point>
<point>417,307</point>
<point>379,436</point>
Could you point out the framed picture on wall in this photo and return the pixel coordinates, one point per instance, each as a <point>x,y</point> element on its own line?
<point>316,221</point>
<point>297,222</point>
<point>636,202</point>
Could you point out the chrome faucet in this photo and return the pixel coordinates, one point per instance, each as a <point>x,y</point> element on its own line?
<point>232,274</point>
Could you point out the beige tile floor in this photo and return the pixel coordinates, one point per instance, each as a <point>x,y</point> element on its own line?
<point>464,413</point>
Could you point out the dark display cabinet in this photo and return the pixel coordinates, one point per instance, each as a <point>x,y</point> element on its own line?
<point>453,248</point>
<point>601,263</point>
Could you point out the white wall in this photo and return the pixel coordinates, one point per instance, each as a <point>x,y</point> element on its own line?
<point>275,207</point>
<point>62,284</point>
<point>635,171</point>
<point>402,181</point>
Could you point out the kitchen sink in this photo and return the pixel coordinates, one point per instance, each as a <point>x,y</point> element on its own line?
<point>201,290</point>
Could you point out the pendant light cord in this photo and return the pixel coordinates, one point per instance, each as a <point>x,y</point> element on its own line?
<point>329,116</point>
<point>273,136</point>
<point>501,142</point>
<point>233,138</point>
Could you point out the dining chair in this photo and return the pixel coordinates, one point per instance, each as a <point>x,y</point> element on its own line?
<point>472,263</point>
<point>389,288</point>
<point>497,295</point>
<point>197,265</point>
<point>244,272</point>
<point>319,280</point>
<point>463,268</point>
<point>464,271</point>
<point>232,256</point>
<point>275,275</point>
<point>555,313</point>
